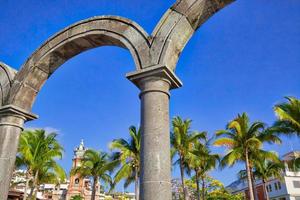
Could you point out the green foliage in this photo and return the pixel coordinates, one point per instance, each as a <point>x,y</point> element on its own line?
<point>182,138</point>
<point>182,141</point>
<point>241,136</point>
<point>222,194</point>
<point>128,156</point>
<point>96,165</point>
<point>37,152</point>
<point>77,197</point>
<point>288,114</point>
<point>244,142</point>
<point>215,190</point>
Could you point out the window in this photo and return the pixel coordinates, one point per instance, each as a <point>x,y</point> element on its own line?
<point>76,181</point>
<point>275,185</point>
<point>296,184</point>
<point>270,188</point>
<point>267,188</point>
<point>279,185</point>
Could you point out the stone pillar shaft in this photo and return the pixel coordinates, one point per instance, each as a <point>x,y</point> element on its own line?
<point>11,125</point>
<point>155,83</point>
<point>155,177</point>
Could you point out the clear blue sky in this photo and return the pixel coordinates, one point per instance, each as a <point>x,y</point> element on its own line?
<point>245,58</point>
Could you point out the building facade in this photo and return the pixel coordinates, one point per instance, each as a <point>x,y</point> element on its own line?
<point>286,188</point>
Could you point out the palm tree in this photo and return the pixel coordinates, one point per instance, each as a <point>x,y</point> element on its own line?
<point>95,164</point>
<point>181,140</point>
<point>296,163</point>
<point>51,173</point>
<point>288,114</point>
<point>243,138</point>
<point>265,168</point>
<point>38,150</point>
<point>201,160</point>
<point>128,156</point>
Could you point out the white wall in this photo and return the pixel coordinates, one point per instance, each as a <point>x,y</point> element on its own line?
<point>291,189</point>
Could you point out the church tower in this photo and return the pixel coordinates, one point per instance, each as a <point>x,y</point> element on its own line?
<point>77,183</point>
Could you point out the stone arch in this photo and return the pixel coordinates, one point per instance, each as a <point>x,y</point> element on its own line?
<point>84,35</point>
<point>178,25</point>
<point>6,79</point>
<point>155,58</point>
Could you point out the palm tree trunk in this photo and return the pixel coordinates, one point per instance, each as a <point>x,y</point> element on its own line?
<point>253,183</point>
<point>26,186</point>
<point>265,190</point>
<point>95,181</point>
<point>203,188</point>
<point>251,195</point>
<point>182,178</point>
<point>197,184</point>
<point>137,188</point>
<point>33,188</point>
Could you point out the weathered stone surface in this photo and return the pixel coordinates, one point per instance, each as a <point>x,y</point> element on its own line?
<point>7,75</point>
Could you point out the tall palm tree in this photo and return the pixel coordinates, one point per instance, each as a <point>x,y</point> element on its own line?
<point>128,156</point>
<point>96,165</point>
<point>288,114</point>
<point>38,149</point>
<point>182,141</point>
<point>201,160</point>
<point>241,138</point>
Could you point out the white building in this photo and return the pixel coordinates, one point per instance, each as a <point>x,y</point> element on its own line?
<point>286,188</point>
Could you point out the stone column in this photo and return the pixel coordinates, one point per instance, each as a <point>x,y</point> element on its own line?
<point>11,124</point>
<point>155,83</point>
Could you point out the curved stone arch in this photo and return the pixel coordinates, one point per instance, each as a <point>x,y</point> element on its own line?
<point>178,25</point>
<point>7,75</point>
<point>84,35</point>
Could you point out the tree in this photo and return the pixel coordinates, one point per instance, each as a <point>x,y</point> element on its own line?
<point>128,156</point>
<point>215,190</point>
<point>95,164</point>
<point>265,168</point>
<point>243,138</point>
<point>288,114</point>
<point>37,153</point>
<point>182,140</point>
<point>201,160</point>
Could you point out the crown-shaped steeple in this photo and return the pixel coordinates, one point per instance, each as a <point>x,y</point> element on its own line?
<point>79,151</point>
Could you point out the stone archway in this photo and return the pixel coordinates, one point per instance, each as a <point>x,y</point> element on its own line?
<point>155,58</point>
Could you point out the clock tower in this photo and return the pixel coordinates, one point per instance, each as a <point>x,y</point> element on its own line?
<point>77,183</point>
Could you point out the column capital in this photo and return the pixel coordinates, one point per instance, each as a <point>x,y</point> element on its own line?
<point>156,71</point>
<point>15,110</point>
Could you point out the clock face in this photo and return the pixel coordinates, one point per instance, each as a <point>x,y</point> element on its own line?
<point>77,181</point>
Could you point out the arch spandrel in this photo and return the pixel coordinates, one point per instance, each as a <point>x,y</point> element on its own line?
<point>84,35</point>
